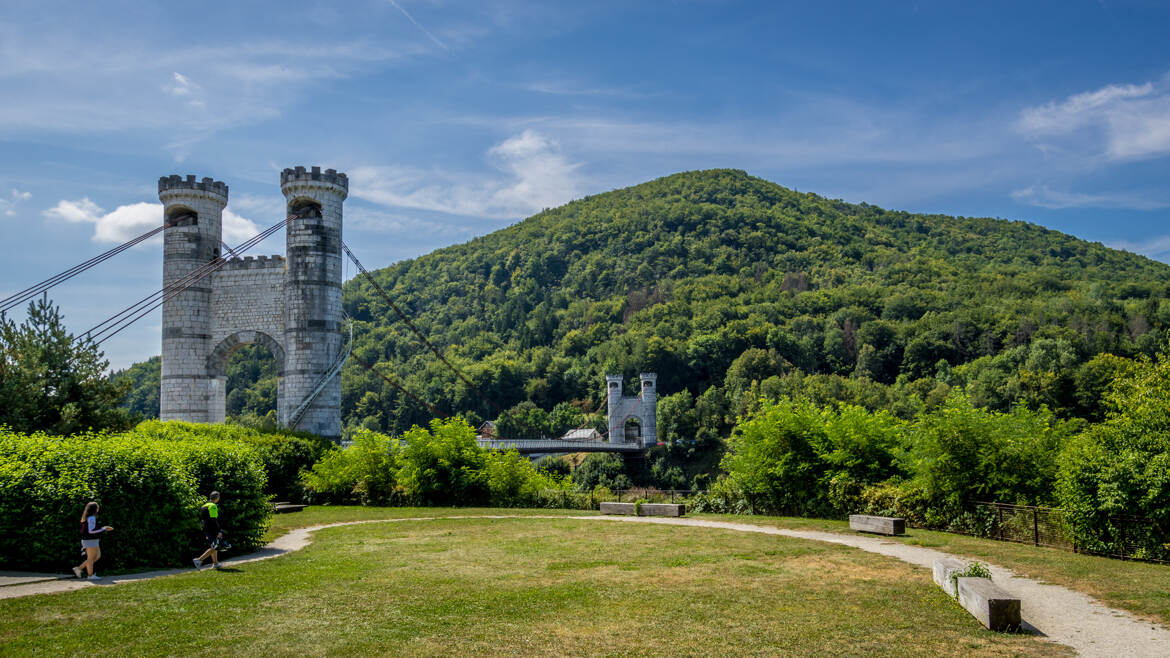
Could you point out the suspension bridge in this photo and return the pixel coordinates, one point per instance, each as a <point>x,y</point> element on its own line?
<point>215,299</point>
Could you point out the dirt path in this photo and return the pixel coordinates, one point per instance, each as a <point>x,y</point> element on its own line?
<point>1057,613</point>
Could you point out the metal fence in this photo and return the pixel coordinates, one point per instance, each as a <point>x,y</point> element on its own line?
<point>566,499</point>
<point>1125,537</point>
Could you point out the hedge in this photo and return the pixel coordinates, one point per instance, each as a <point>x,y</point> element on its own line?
<point>284,454</point>
<point>150,490</point>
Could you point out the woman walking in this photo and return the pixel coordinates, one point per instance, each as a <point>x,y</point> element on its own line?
<point>90,532</point>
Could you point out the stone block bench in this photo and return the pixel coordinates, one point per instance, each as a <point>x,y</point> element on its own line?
<point>882,525</point>
<point>646,509</point>
<point>285,508</point>
<point>986,601</point>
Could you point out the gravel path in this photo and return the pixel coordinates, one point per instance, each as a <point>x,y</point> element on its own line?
<point>1057,613</point>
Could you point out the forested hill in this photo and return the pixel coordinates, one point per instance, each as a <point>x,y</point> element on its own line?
<point>717,279</point>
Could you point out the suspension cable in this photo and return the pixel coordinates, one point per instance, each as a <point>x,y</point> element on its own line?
<point>114,324</point>
<point>38,288</point>
<point>406,319</point>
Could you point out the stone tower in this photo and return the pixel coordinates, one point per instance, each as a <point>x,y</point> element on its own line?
<point>642,408</point>
<point>312,292</point>
<point>193,212</point>
<point>293,306</point>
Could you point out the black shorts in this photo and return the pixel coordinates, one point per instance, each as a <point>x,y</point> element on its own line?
<point>211,538</point>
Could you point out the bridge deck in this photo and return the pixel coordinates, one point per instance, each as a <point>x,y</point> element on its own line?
<point>525,446</point>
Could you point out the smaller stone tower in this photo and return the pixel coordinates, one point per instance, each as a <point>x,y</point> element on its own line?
<point>193,213</point>
<point>642,408</point>
<point>648,409</point>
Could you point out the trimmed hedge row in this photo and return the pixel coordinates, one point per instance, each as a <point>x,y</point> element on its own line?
<point>284,453</point>
<point>150,490</point>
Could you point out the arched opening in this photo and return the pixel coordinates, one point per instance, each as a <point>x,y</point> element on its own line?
<point>304,209</point>
<point>181,216</point>
<point>248,371</point>
<point>252,385</point>
<point>633,430</point>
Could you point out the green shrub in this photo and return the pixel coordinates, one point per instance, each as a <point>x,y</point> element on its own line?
<point>438,465</point>
<point>363,473</point>
<point>149,489</point>
<point>443,465</point>
<point>284,454</point>
<point>973,570</point>
<point>1122,467</point>
<point>960,453</point>
<point>796,457</point>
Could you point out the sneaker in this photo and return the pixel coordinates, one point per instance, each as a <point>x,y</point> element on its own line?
<point>77,572</point>
<point>215,566</point>
<point>198,564</point>
<point>94,577</point>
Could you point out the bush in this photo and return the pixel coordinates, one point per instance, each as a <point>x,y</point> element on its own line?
<point>363,473</point>
<point>795,457</point>
<point>284,454</point>
<point>439,465</point>
<point>1122,467</point>
<point>150,491</point>
<point>960,453</point>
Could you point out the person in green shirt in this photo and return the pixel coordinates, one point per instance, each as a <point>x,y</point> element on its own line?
<point>212,532</point>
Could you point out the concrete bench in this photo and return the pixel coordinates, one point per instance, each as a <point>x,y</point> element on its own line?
<point>944,570</point>
<point>285,508</point>
<point>647,509</point>
<point>882,525</point>
<point>992,606</point>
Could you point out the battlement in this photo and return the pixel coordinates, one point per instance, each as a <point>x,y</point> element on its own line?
<point>177,182</point>
<point>315,174</point>
<point>254,263</point>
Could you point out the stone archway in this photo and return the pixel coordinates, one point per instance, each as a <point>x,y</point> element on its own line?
<point>217,363</point>
<point>632,430</point>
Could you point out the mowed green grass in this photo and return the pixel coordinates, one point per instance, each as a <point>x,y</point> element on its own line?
<point>520,587</point>
<point>1140,588</point>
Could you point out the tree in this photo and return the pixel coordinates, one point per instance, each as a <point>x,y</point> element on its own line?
<point>54,382</point>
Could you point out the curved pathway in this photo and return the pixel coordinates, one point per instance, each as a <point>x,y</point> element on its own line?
<point>1057,613</point>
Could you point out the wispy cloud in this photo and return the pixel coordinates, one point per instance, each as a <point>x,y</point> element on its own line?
<point>1046,197</point>
<point>8,206</point>
<point>1118,122</point>
<point>533,174</point>
<point>128,221</point>
<point>418,25</point>
<point>1157,247</point>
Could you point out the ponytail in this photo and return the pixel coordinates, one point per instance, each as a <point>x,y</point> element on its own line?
<point>91,509</point>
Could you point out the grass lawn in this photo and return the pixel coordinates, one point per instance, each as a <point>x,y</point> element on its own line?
<point>1137,587</point>
<point>518,587</point>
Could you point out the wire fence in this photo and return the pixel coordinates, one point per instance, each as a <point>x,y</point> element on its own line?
<point>1124,537</point>
<point>592,500</point>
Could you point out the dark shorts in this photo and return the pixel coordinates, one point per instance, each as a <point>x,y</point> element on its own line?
<point>210,537</point>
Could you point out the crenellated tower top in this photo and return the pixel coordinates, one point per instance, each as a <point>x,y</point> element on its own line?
<point>176,185</point>
<point>291,177</point>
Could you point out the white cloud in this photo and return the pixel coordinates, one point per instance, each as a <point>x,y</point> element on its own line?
<point>9,207</point>
<point>182,87</point>
<point>1117,122</point>
<point>237,229</point>
<point>1157,247</point>
<point>533,174</point>
<point>1045,197</point>
<point>131,220</point>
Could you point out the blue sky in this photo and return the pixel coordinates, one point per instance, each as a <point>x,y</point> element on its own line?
<point>454,119</point>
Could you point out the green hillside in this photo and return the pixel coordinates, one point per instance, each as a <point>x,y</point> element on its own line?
<point>731,288</point>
